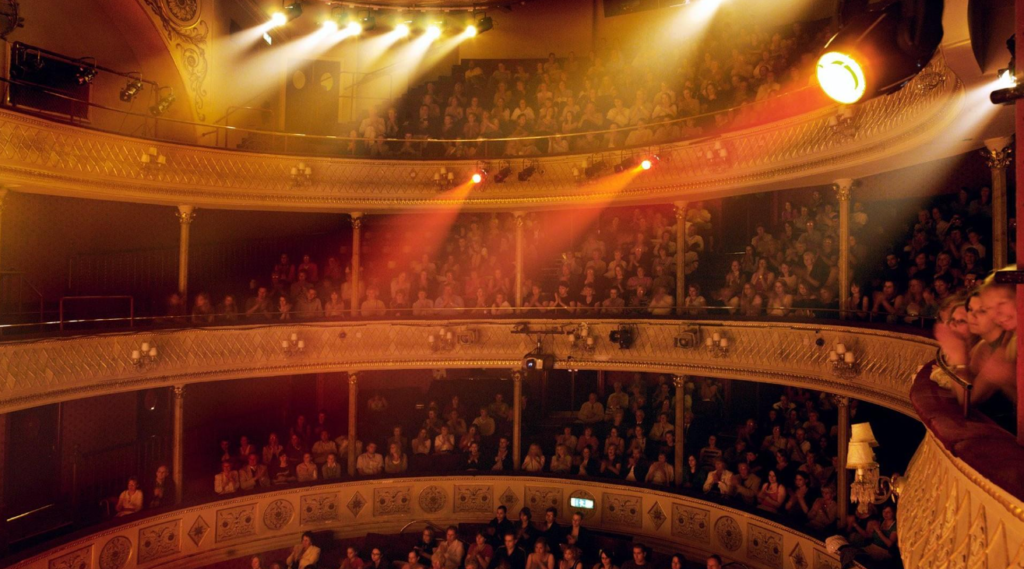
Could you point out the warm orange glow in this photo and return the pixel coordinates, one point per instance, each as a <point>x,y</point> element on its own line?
<point>841,77</point>
<point>477,178</point>
<point>646,164</point>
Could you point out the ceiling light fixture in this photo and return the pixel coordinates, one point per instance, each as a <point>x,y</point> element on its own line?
<point>131,89</point>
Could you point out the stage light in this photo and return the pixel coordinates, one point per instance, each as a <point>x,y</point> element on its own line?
<point>368,22</point>
<point>479,176</point>
<point>625,164</point>
<point>85,75</point>
<point>354,29</point>
<point>1006,78</point>
<point>330,26</point>
<point>623,336</point>
<point>880,50</point>
<point>503,173</point>
<point>470,31</point>
<point>646,165</point>
<point>483,24</point>
<point>133,88</point>
<point>278,19</point>
<point>841,77</point>
<point>649,162</point>
<point>163,104</point>
<point>402,30</point>
<point>527,172</point>
<point>433,31</point>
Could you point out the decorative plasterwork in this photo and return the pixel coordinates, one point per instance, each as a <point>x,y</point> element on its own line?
<point>187,36</point>
<point>44,157</point>
<point>47,371</point>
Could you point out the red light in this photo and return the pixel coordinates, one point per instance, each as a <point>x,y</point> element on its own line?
<point>646,164</point>
<point>477,177</point>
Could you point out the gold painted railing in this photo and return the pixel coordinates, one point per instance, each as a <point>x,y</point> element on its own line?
<point>37,155</point>
<point>50,370</point>
<point>246,525</point>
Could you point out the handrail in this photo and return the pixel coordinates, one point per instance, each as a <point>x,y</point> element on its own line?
<point>336,138</point>
<point>428,522</point>
<point>35,291</point>
<point>940,360</point>
<point>131,307</point>
<point>81,61</point>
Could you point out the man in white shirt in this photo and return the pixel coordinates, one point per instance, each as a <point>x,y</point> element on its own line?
<point>304,554</point>
<point>718,479</point>
<point>373,307</point>
<point>451,549</point>
<point>618,114</point>
<point>254,474</point>
<point>226,482</point>
<point>591,411</point>
<point>370,463</point>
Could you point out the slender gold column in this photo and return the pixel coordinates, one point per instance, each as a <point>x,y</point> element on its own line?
<point>680,256</point>
<point>186,214</point>
<point>3,194</point>
<point>178,443</point>
<point>518,303</point>
<point>998,155</point>
<point>680,460</point>
<point>843,188</point>
<point>842,474</point>
<point>353,409</point>
<point>357,224</point>
<point>517,419</point>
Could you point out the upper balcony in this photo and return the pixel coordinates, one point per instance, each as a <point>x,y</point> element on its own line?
<point>46,155</point>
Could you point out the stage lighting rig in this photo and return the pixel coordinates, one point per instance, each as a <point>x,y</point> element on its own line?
<point>623,336</point>
<point>880,50</point>
<point>292,11</point>
<point>530,167</point>
<point>483,23</point>
<point>1012,89</point>
<point>504,171</point>
<point>131,89</point>
<point>86,73</point>
<point>163,102</point>
<point>479,174</point>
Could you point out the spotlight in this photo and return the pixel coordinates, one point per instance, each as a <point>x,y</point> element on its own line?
<point>133,88</point>
<point>470,31</point>
<point>292,11</point>
<point>330,26</point>
<point>483,23</point>
<point>527,172</point>
<point>879,50</point>
<point>354,28</point>
<point>1009,90</point>
<point>402,30</point>
<point>278,19</point>
<point>367,21</point>
<point>626,164</point>
<point>623,337</point>
<point>504,171</point>
<point>433,31</point>
<point>479,176</point>
<point>649,162</point>
<point>163,104</point>
<point>85,75</point>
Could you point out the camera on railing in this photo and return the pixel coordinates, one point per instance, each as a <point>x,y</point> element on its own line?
<point>468,336</point>
<point>688,339</point>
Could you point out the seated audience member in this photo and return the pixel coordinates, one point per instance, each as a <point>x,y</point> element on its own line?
<point>485,423</point>
<point>226,482</point>
<point>499,526</point>
<point>503,456</point>
<point>331,470</point>
<point>130,501</point>
<point>798,505</point>
<point>426,546</point>
<point>351,559</point>
<point>272,449</point>
<point>308,306</point>
<point>281,470</point>
<point>307,470</point>
<point>396,461</point>
<point>509,555</point>
<point>587,465</point>
<point>370,463</point>
<point>253,474</point>
<point>413,561</point>
<point>534,460</point>
<point>661,472</point>
<point>772,496</point>
<point>611,464</point>
<point>162,491</point>
<point>591,411</point>
<point>541,558</point>
<point>305,554</point>
<point>323,447</point>
<point>635,467</point>
<point>884,537</point>
<point>421,444</point>
<point>480,552</point>
<point>718,480</point>
<point>561,461</point>
<point>639,560</point>
<point>452,550</point>
<point>444,442</point>
<point>474,460</point>
<point>744,485</point>
<point>825,511</point>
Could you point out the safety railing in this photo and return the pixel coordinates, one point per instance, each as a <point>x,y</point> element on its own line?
<point>419,147</point>
<point>940,360</point>
<point>130,321</point>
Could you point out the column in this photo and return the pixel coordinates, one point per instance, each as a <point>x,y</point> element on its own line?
<point>680,460</point>
<point>357,224</point>
<point>520,221</point>
<point>680,259</point>
<point>3,194</point>
<point>353,409</point>
<point>997,153</point>
<point>178,443</point>
<point>186,214</point>
<point>517,419</point>
<point>842,474</point>
<point>843,189</point>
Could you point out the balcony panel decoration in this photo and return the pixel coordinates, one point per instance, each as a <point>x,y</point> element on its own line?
<point>41,156</point>
<point>51,370</point>
<point>246,525</point>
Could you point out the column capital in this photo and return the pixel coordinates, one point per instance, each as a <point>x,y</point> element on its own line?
<point>353,377</point>
<point>844,188</point>
<point>357,219</point>
<point>679,381</point>
<point>520,218</point>
<point>179,391</point>
<point>840,400</point>
<point>3,194</point>
<point>680,209</point>
<point>998,152</point>
<point>186,214</point>
<point>517,375</point>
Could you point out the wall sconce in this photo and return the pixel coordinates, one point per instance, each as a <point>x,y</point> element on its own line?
<point>444,179</point>
<point>146,354</point>
<point>293,345</point>
<point>717,156</point>
<point>868,487</point>
<point>443,341</point>
<point>580,338</point>
<point>717,345</point>
<point>842,125</point>
<point>301,174</point>
<point>153,159</point>
<point>844,363</point>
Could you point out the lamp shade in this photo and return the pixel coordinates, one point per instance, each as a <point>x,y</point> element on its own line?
<point>859,455</point>
<point>861,433</point>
